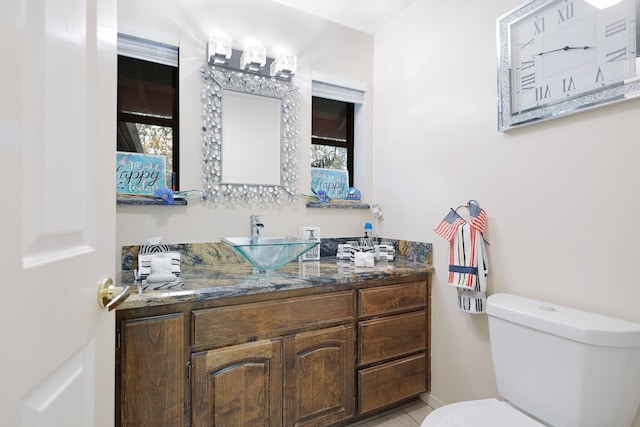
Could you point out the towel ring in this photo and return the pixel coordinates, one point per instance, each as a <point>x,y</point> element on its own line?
<point>470,202</point>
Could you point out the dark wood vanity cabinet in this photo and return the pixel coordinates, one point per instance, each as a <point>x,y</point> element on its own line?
<point>259,384</point>
<point>299,373</point>
<point>304,359</point>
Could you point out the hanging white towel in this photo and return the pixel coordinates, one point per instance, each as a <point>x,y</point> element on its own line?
<point>468,266</point>
<point>471,301</point>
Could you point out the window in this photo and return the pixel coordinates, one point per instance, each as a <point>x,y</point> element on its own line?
<point>148,119</point>
<point>337,125</point>
<point>332,135</point>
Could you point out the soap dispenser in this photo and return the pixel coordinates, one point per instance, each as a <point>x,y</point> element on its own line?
<point>368,232</point>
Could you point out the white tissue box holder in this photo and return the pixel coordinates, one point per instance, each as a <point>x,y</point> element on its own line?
<point>146,261</point>
<point>363,259</point>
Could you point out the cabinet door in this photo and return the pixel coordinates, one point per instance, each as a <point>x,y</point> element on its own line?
<point>319,377</point>
<point>238,386</point>
<point>152,372</point>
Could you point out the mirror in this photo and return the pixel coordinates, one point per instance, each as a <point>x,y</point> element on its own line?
<point>250,154</point>
<point>250,137</point>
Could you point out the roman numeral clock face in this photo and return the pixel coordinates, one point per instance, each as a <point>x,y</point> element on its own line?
<point>568,48</point>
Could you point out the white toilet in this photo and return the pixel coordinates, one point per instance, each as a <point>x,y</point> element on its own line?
<point>555,366</point>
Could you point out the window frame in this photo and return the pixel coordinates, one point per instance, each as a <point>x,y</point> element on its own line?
<point>340,88</point>
<point>140,49</point>
<point>173,122</point>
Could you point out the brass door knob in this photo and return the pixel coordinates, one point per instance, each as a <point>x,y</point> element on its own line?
<point>110,296</point>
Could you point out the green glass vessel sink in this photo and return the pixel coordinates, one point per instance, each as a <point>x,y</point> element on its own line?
<point>269,253</point>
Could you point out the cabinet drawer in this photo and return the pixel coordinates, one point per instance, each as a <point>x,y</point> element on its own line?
<point>388,337</point>
<point>246,322</point>
<point>391,382</point>
<point>393,298</point>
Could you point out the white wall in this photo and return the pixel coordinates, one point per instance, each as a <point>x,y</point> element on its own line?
<point>561,196</point>
<point>321,46</point>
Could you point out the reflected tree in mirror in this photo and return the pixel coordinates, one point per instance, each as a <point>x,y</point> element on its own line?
<point>218,80</point>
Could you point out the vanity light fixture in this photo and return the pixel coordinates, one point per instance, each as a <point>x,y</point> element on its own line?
<point>253,58</point>
<point>219,50</point>
<point>284,66</point>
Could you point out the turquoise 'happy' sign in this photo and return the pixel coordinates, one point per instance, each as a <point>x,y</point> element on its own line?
<point>138,173</point>
<point>334,181</point>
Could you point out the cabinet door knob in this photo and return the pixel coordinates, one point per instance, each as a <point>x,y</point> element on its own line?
<point>110,296</point>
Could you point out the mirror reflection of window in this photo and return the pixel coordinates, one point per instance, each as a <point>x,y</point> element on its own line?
<point>332,135</point>
<point>148,119</point>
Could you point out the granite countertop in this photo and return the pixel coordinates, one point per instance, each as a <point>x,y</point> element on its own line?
<point>237,279</point>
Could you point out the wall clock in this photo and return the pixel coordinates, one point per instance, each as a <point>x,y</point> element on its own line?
<point>558,57</point>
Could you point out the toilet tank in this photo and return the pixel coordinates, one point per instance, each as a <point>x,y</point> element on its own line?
<point>565,367</point>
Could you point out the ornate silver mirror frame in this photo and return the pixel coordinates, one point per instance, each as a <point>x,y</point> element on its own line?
<point>215,191</point>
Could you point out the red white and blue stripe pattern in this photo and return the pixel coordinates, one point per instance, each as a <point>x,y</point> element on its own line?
<point>468,266</point>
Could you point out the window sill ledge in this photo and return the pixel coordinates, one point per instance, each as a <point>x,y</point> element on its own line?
<point>146,201</point>
<point>339,204</point>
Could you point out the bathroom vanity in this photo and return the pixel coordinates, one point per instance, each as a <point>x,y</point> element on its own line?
<point>310,344</point>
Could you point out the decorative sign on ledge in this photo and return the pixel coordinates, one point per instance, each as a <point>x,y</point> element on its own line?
<point>334,181</point>
<point>138,173</point>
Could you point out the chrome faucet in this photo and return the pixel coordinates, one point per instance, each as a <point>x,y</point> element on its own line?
<point>256,226</point>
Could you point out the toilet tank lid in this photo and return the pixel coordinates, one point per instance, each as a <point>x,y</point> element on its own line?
<point>570,323</point>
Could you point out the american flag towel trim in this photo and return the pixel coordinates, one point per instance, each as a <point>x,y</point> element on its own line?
<point>468,266</point>
<point>447,228</point>
<point>478,218</point>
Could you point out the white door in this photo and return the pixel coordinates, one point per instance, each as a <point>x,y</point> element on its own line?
<point>57,151</point>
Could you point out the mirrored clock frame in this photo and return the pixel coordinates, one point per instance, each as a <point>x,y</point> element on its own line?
<point>606,95</point>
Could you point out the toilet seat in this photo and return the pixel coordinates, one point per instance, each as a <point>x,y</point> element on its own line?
<point>479,413</point>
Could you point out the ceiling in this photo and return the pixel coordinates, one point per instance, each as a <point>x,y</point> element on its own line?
<point>364,15</point>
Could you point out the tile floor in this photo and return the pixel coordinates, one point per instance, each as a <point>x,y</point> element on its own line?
<point>410,415</point>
